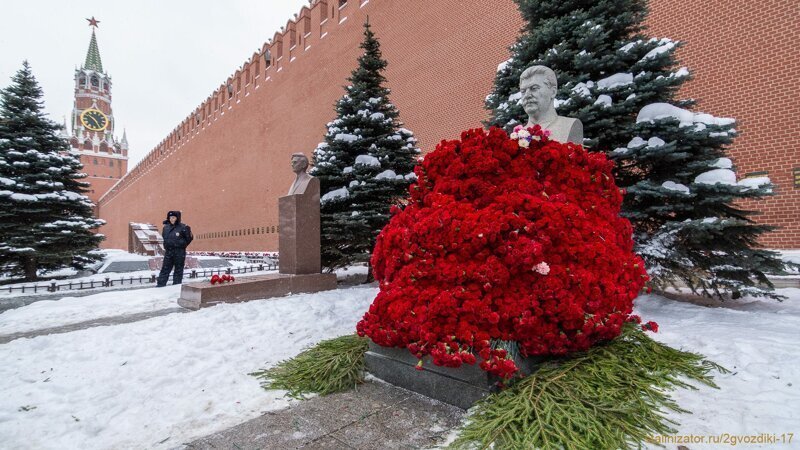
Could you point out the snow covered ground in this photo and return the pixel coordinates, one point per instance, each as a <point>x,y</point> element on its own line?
<point>792,256</point>
<point>69,310</point>
<point>164,381</point>
<point>757,341</point>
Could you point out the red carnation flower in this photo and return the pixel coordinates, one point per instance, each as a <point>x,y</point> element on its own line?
<point>634,318</point>
<point>650,326</point>
<point>454,265</point>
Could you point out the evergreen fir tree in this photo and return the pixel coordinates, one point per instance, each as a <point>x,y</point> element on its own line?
<point>682,199</point>
<point>365,164</point>
<point>45,220</point>
<point>608,72</point>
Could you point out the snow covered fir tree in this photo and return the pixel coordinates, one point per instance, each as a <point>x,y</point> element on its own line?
<point>45,220</point>
<point>365,164</point>
<point>681,191</point>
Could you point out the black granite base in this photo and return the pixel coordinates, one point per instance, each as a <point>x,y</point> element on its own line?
<point>460,387</point>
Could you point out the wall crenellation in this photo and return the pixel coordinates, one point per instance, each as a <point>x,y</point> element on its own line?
<point>291,41</point>
<point>224,168</point>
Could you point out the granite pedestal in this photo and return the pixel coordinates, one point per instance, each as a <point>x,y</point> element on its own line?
<point>203,294</point>
<point>460,387</point>
<point>299,231</point>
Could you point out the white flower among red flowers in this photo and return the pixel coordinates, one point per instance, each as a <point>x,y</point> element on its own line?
<point>542,268</point>
<point>524,136</point>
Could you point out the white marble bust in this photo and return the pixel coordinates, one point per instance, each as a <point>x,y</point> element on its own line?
<point>538,86</point>
<point>299,167</point>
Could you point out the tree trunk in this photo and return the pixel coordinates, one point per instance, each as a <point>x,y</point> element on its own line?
<point>370,276</point>
<point>29,266</point>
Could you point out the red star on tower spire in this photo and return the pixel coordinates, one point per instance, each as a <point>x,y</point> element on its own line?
<point>93,22</point>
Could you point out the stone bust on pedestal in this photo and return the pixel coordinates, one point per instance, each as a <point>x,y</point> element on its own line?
<point>538,86</point>
<point>299,223</point>
<point>299,255</point>
<point>299,167</point>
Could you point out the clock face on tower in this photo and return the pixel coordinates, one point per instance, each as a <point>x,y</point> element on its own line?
<point>94,119</point>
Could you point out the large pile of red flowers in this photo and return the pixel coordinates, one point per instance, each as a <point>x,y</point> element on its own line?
<point>501,241</point>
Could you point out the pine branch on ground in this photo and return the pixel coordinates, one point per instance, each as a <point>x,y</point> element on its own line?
<point>613,396</point>
<point>333,365</point>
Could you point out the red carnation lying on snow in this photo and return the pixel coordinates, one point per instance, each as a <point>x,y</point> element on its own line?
<point>503,242</point>
<point>650,326</point>
<point>216,279</point>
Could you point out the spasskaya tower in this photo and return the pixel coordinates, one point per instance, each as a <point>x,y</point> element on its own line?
<point>104,157</point>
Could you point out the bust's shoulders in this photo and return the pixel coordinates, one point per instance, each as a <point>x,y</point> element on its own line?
<point>304,184</point>
<point>566,121</point>
<point>571,124</point>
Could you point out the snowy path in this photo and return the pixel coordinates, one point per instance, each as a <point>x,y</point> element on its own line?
<point>101,322</point>
<point>70,310</point>
<point>162,381</point>
<point>9,303</point>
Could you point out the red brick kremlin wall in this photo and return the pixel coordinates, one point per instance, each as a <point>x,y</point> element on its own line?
<point>746,64</point>
<point>227,171</point>
<point>227,163</point>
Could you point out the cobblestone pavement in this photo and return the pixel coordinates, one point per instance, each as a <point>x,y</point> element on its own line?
<point>376,415</point>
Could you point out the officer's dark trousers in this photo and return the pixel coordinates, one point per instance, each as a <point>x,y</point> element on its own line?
<point>173,258</point>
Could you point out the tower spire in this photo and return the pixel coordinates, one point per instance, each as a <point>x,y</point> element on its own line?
<point>93,61</point>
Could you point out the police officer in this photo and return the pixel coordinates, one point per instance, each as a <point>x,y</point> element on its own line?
<point>177,236</point>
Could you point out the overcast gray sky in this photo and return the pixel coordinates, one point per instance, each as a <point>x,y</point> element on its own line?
<point>164,57</point>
